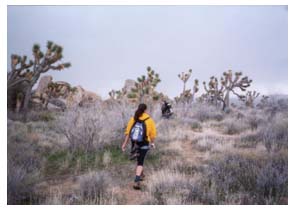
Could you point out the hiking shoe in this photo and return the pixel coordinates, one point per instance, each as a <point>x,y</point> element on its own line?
<point>136,186</point>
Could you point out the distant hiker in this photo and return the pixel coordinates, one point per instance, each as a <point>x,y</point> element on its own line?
<point>141,129</point>
<point>166,109</point>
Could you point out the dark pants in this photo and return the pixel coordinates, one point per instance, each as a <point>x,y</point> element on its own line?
<point>140,151</point>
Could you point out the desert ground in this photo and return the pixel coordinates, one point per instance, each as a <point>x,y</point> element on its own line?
<point>203,155</point>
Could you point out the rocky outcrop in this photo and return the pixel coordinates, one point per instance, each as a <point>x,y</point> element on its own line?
<point>43,84</point>
<point>129,84</point>
<point>81,97</point>
<point>61,94</point>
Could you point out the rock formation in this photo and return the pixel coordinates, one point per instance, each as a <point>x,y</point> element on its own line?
<point>61,95</point>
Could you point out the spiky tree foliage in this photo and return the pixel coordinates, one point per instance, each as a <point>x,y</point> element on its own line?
<point>24,75</point>
<point>186,95</point>
<point>57,89</point>
<point>195,88</point>
<point>117,94</point>
<point>231,83</point>
<point>250,98</point>
<point>145,85</point>
<point>214,91</point>
<point>220,90</point>
<point>112,94</point>
<point>184,77</point>
<point>263,102</point>
<point>54,90</point>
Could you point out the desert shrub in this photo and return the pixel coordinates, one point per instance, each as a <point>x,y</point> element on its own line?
<point>190,169</point>
<point>106,158</point>
<point>232,126</point>
<point>254,120</point>
<point>61,162</point>
<point>275,133</point>
<point>207,112</point>
<point>168,187</point>
<point>197,126</point>
<point>20,184</point>
<point>46,116</point>
<point>204,143</point>
<point>200,193</point>
<point>115,120</point>
<point>96,126</point>
<point>191,123</point>
<point>211,143</point>
<point>272,181</point>
<point>94,187</point>
<point>17,190</point>
<point>23,164</point>
<point>32,115</point>
<point>82,127</point>
<point>199,111</point>
<point>165,130</point>
<point>248,140</point>
<point>264,180</point>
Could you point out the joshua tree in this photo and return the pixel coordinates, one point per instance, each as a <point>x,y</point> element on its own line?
<point>145,85</point>
<point>250,97</point>
<point>228,83</point>
<point>263,102</point>
<point>186,95</point>
<point>53,91</point>
<point>118,94</point>
<point>231,84</point>
<point>214,91</point>
<point>195,88</point>
<point>23,76</point>
<point>184,78</point>
<point>113,94</point>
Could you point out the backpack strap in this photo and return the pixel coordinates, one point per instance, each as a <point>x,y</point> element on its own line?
<point>141,120</point>
<point>144,134</point>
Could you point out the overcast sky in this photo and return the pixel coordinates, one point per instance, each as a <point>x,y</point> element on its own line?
<point>108,44</point>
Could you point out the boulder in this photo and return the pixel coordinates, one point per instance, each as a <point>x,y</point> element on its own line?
<point>58,103</point>
<point>129,84</point>
<point>81,97</point>
<point>43,83</point>
<point>74,98</point>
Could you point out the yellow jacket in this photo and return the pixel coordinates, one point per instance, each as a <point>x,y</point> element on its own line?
<point>151,131</point>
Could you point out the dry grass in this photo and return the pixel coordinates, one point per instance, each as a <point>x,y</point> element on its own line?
<point>202,156</point>
<point>168,187</point>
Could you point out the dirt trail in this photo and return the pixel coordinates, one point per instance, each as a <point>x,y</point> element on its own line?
<point>133,197</point>
<point>189,154</point>
<point>59,188</point>
<point>67,186</point>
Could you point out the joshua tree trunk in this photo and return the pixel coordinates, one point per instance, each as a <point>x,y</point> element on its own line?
<point>19,100</point>
<point>23,75</point>
<point>27,98</point>
<point>226,99</point>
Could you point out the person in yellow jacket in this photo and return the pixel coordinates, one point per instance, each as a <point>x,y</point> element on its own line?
<point>144,145</point>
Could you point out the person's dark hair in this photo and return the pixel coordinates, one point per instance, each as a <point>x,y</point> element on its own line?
<point>140,110</point>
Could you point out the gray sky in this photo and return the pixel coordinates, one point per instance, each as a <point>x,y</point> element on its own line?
<point>108,44</point>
